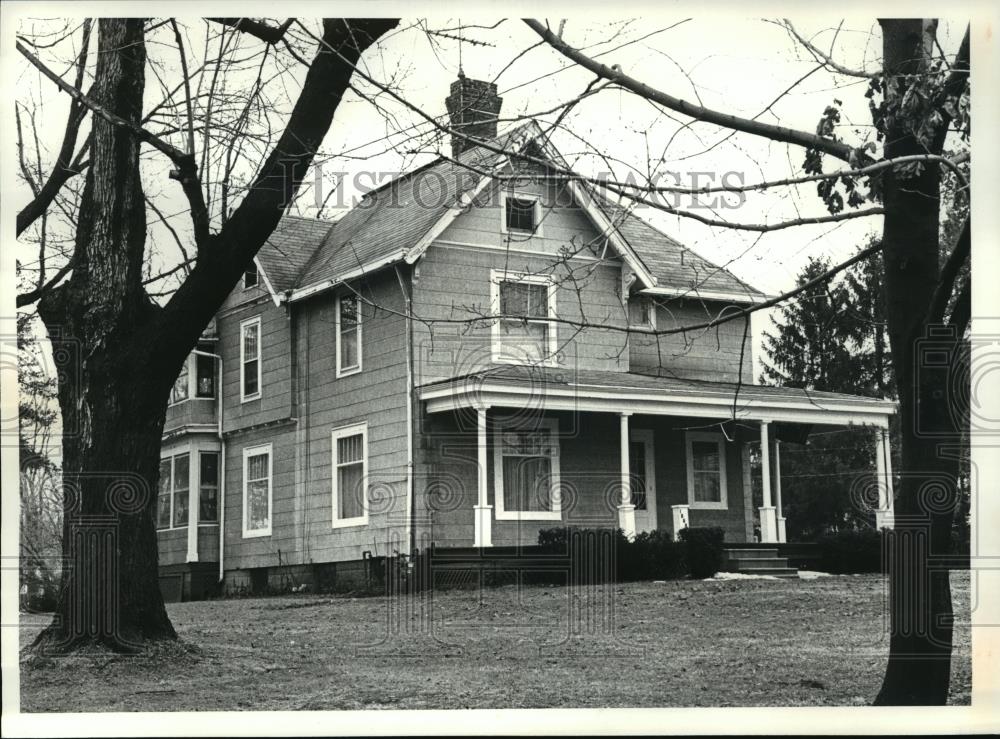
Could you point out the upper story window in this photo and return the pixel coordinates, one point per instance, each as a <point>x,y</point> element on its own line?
<point>250,359</point>
<point>641,313</point>
<point>350,475</point>
<point>348,335</point>
<point>526,333</point>
<point>181,391</point>
<point>706,470</point>
<point>174,495</point>
<point>251,276</point>
<point>521,214</point>
<point>526,472</point>
<point>257,491</point>
<point>204,372</point>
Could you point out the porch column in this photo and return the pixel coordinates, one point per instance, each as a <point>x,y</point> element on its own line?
<point>777,491</point>
<point>484,512</point>
<point>194,502</point>
<point>883,472</point>
<point>768,521</point>
<point>626,511</point>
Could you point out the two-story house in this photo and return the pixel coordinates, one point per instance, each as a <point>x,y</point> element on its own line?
<point>478,350</point>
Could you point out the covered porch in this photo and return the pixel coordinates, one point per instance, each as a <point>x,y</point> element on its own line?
<point>524,448</point>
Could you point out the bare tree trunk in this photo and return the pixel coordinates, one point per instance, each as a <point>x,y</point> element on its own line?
<point>111,429</point>
<point>920,598</point>
<point>119,352</point>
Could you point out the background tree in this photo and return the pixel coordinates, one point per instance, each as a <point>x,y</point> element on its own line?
<point>40,495</point>
<point>831,338</point>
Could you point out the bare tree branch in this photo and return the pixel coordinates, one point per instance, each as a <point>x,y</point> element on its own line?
<point>707,115</point>
<point>36,294</point>
<point>258,29</point>
<point>822,56</point>
<point>186,172</point>
<point>63,170</point>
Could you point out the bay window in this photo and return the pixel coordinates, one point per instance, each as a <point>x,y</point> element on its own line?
<point>173,497</point>
<point>208,487</point>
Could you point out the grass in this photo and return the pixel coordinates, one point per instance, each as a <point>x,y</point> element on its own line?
<point>679,643</point>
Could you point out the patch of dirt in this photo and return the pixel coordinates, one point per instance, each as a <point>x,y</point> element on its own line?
<point>680,643</point>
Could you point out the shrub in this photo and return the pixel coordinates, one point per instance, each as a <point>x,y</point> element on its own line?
<point>650,556</point>
<point>703,547</point>
<point>851,552</point>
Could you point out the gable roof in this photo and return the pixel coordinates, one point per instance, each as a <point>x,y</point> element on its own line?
<point>678,270</point>
<point>289,248</point>
<point>396,222</point>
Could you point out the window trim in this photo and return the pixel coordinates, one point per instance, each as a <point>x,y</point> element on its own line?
<point>171,458</point>
<point>218,485</point>
<point>536,199</point>
<point>498,276</point>
<point>244,398</point>
<point>170,402</point>
<point>555,494</point>
<point>650,325</point>
<point>689,438</point>
<point>253,451</point>
<point>341,371</point>
<point>215,375</point>
<point>340,433</point>
<point>646,438</point>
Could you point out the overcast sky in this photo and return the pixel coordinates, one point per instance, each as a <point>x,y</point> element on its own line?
<point>732,64</point>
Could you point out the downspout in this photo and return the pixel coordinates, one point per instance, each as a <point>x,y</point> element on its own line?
<point>222,466</point>
<point>410,522</point>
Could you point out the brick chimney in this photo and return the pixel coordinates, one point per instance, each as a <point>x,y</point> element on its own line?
<point>473,107</point>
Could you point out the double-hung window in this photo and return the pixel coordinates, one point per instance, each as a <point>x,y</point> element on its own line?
<point>524,332</point>
<point>706,470</point>
<point>350,475</point>
<point>257,491</point>
<point>526,472</point>
<point>250,359</point>
<point>208,487</point>
<point>174,494</point>
<point>180,391</point>
<point>348,335</point>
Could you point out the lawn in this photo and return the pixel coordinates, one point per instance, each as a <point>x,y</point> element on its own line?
<point>747,642</point>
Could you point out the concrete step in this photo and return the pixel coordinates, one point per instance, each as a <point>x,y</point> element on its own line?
<point>737,553</point>
<point>741,564</point>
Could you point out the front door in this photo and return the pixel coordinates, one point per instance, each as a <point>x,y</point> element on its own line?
<point>643,479</point>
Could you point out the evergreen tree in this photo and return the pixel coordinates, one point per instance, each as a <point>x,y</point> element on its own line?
<point>833,339</point>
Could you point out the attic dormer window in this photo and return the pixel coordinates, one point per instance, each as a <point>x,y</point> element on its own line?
<point>250,276</point>
<point>520,214</point>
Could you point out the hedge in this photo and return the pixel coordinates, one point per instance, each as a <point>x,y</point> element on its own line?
<point>851,552</point>
<point>650,555</point>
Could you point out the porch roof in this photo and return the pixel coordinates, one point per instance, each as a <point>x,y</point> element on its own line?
<point>558,388</point>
